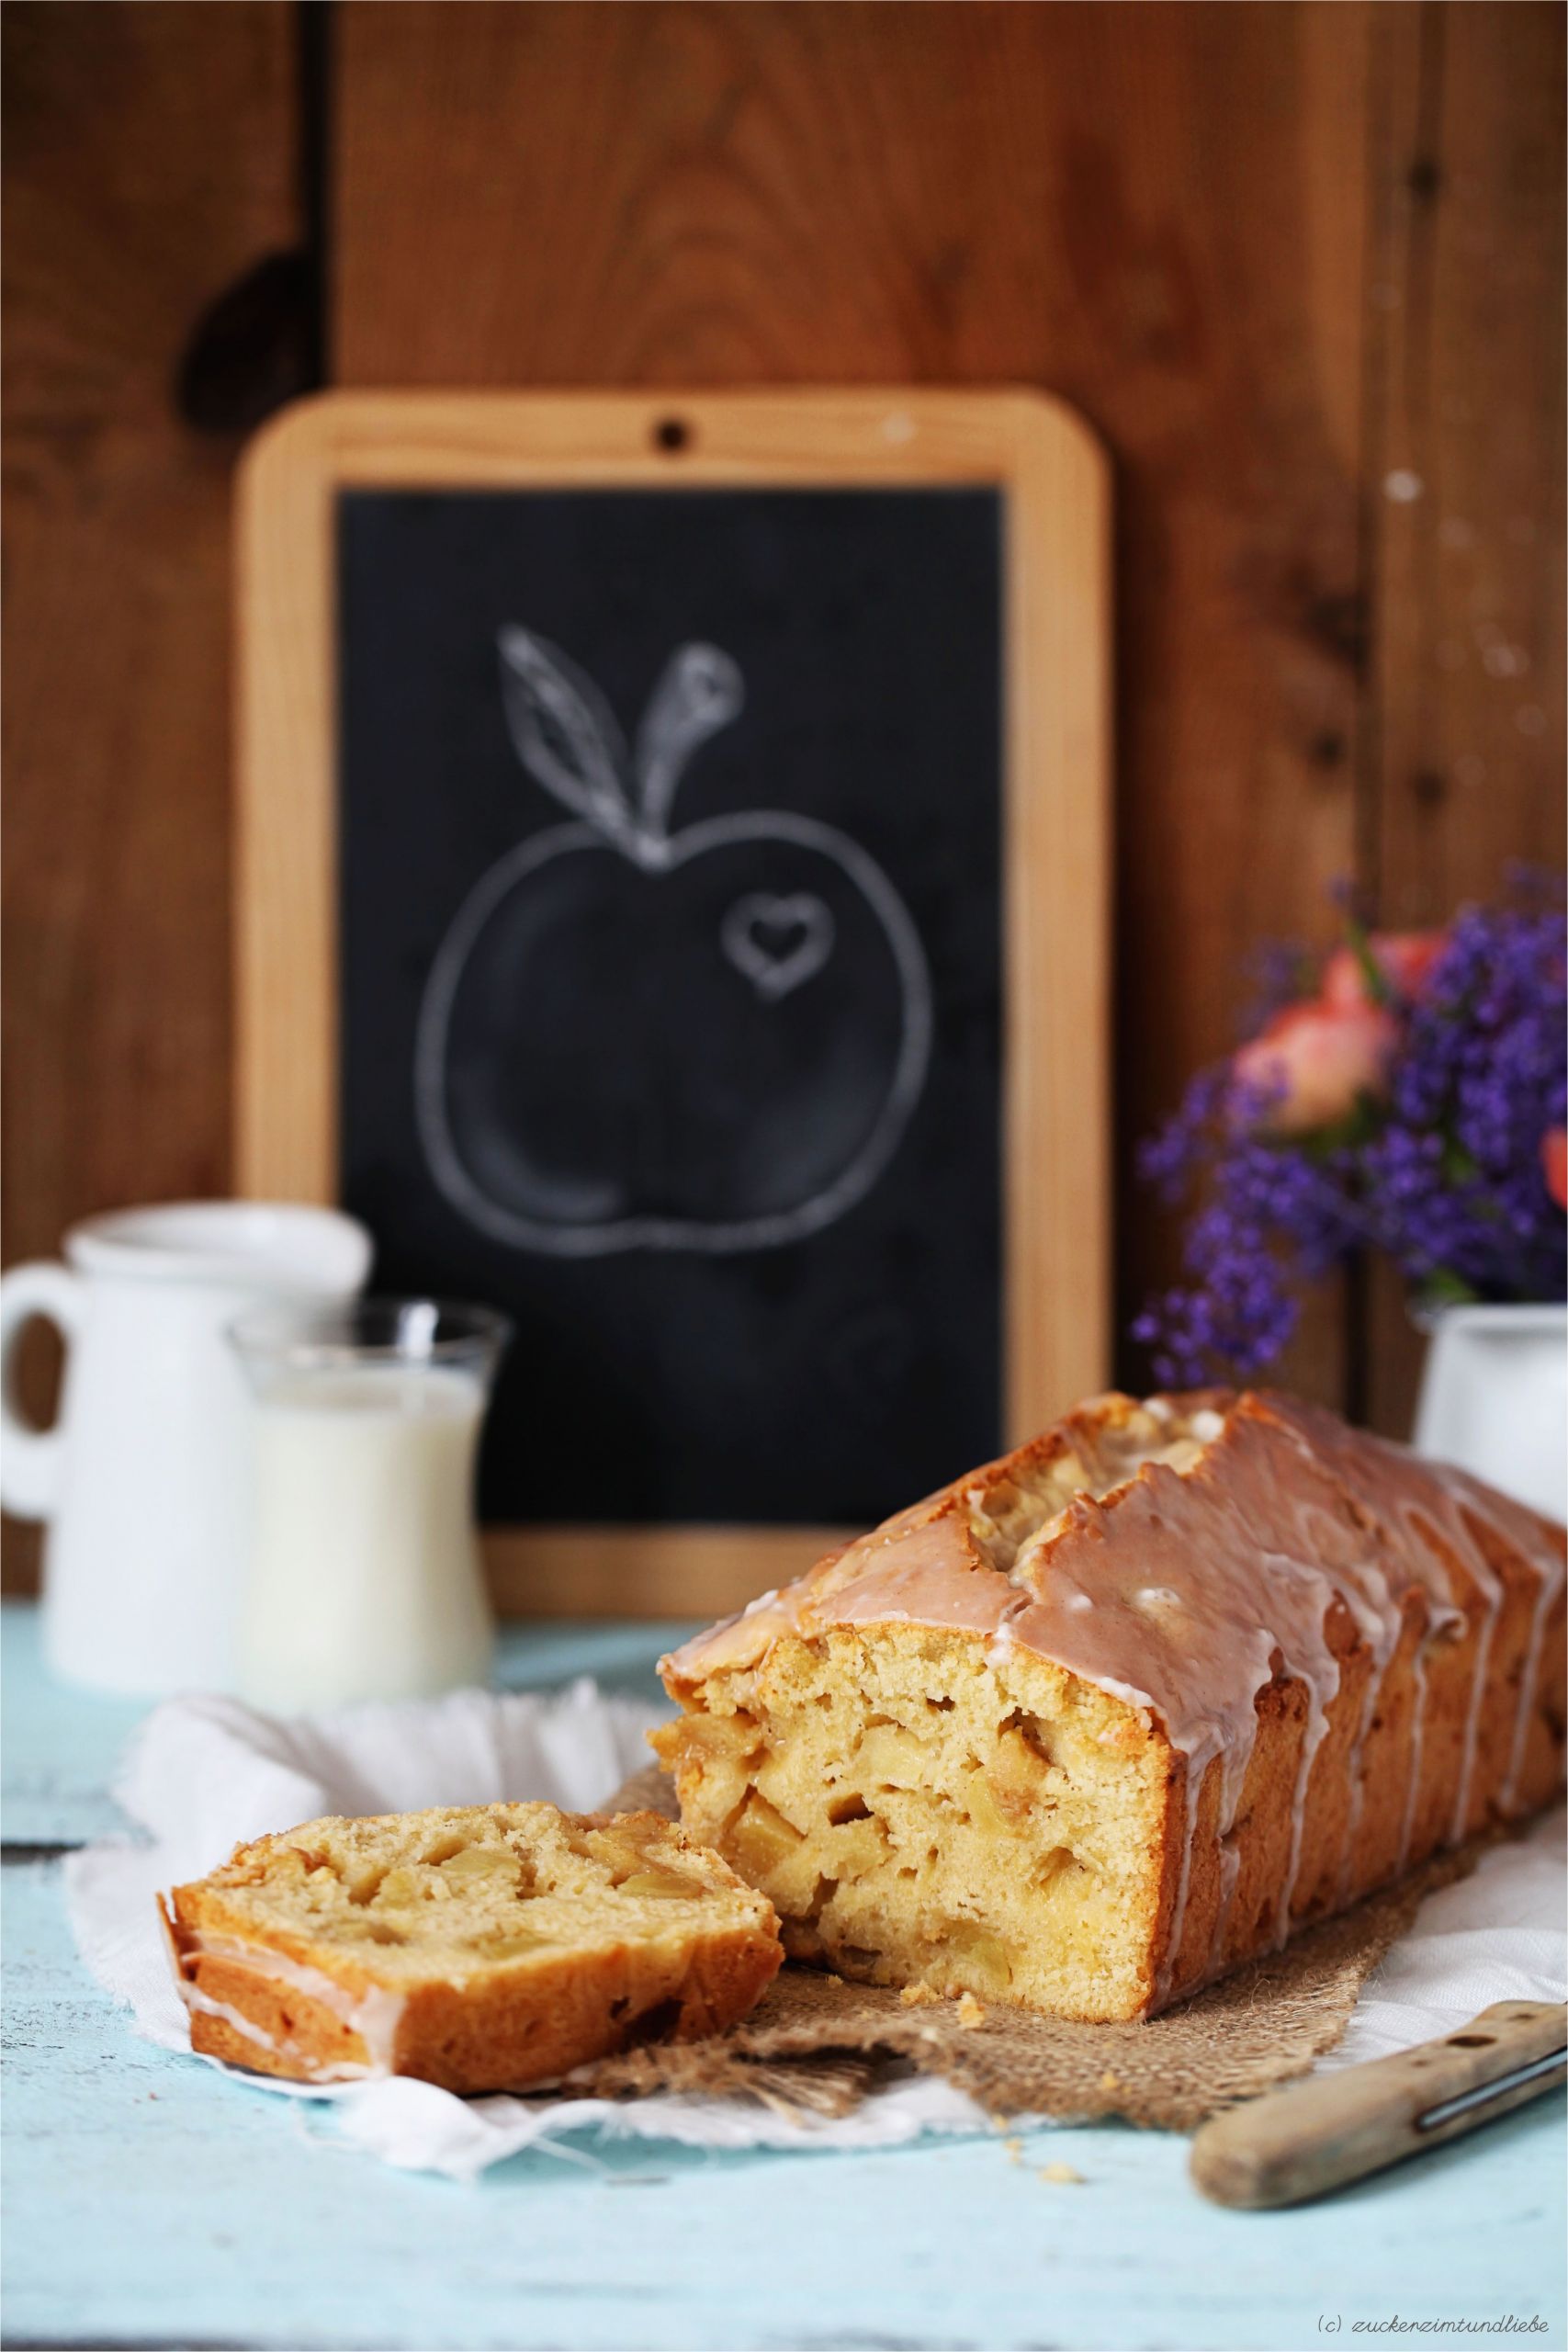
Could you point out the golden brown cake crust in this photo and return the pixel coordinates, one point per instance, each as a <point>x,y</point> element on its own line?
<point>1345,1658</point>
<point>645,1935</point>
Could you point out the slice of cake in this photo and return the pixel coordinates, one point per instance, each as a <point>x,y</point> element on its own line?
<point>1105,1718</point>
<point>486,1948</point>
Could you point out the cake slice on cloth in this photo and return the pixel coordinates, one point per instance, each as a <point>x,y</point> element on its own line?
<point>1101,1721</point>
<point>483,1947</point>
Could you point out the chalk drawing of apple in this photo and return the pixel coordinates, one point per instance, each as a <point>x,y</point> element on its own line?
<point>634,1038</point>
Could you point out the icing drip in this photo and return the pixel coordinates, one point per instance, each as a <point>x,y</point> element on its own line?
<point>1472,1720</point>
<point>1232,1782</point>
<point>373,2015</point>
<point>1362,1581</point>
<point>1172,1563</point>
<point>1417,1733</point>
<point>1456,1531</point>
<point>1435,1510</point>
<point>1424,1510</point>
<point>1468,1502</point>
<point>1529,1537</point>
<point>1529,1682</point>
<point>1379,1626</point>
<point>1192,1788</point>
<point>194,1999</point>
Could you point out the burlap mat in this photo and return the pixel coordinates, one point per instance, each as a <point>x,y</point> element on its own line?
<point>817,2045</point>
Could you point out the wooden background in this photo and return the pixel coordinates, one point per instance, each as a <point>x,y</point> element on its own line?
<point>1300,265</point>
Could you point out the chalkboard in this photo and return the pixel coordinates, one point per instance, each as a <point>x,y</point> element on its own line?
<point>675,879</point>
<point>669,913</point>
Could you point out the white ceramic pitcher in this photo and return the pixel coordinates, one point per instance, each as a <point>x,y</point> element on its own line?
<point>145,1479</point>
<point>1494,1399</point>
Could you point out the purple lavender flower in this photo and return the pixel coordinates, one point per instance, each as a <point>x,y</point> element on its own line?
<point>1445,1176</point>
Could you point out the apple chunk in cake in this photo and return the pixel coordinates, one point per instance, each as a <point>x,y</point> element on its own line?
<point>916,1815</point>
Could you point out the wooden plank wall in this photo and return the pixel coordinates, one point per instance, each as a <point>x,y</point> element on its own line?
<point>1302,265</point>
<point>1464,559</point>
<point>149,164</point>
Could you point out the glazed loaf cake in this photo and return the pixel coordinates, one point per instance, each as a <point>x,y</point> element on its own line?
<point>483,1947</point>
<point>1110,1715</point>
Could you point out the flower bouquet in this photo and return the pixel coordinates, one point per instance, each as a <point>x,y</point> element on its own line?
<point>1409,1096</point>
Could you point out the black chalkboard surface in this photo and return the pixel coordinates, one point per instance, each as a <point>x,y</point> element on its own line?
<point>670,973</point>
<point>672,873</point>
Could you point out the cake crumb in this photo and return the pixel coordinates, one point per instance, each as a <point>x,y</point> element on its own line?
<point>1014,2147</point>
<point>971,2012</point>
<point>1059,2173</point>
<point>1110,2082</point>
<point>915,1996</point>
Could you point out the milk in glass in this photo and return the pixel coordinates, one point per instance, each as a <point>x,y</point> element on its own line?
<point>366,1580</point>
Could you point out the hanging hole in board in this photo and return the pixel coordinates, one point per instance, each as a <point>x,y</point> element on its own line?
<point>671,433</point>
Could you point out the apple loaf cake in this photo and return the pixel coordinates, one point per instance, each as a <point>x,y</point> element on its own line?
<point>484,1948</point>
<point>1109,1717</point>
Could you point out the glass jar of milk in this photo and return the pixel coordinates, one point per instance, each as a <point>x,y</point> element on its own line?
<point>364,1579</point>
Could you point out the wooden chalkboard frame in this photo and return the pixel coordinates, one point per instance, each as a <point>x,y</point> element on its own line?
<point>1055,479</point>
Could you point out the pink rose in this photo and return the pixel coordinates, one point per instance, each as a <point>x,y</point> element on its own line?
<point>1324,1057</point>
<point>1404,957</point>
<point>1554,1164</point>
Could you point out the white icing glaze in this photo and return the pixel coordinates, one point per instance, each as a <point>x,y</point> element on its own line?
<point>1423,1508</point>
<point>1456,1529</point>
<point>1468,1501</point>
<point>1368,1589</point>
<point>373,2015</point>
<point>1434,1509</point>
<point>1529,1682</point>
<point>1370,1574</point>
<point>1379,1621</point>
<point>1322,1689</point>
<point>1417,1749</point>
<point>194,1998</point>
<point>1212,1646</point>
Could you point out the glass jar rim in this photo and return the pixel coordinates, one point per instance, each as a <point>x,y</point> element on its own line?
<point>328,1335</point>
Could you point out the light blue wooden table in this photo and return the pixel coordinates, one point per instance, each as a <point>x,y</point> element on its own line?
<point>150,2202</point>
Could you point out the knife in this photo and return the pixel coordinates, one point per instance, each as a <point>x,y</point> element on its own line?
<point>1301,2143</point>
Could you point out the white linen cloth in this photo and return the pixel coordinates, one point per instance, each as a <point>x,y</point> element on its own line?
<point>203,1773</point>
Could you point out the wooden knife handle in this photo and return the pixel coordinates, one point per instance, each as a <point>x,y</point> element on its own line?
<point>1302,2141</point>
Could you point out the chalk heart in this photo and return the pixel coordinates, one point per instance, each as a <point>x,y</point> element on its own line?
<point>777,943</point>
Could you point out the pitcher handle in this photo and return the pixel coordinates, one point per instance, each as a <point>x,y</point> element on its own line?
<point>29,1465</point>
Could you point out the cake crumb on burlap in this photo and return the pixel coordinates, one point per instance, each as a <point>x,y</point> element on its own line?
<point>819,2045</point>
